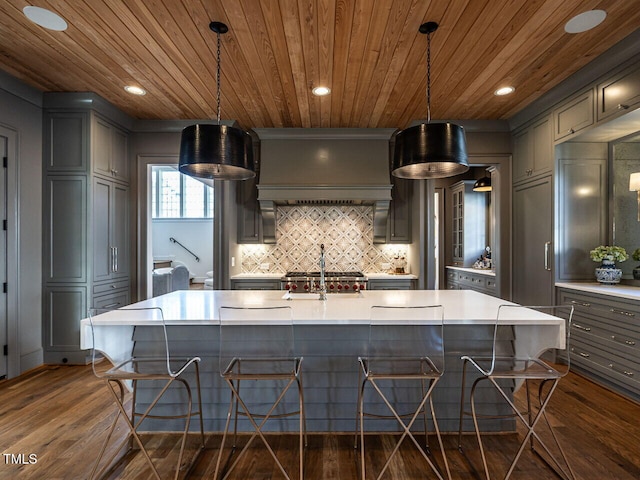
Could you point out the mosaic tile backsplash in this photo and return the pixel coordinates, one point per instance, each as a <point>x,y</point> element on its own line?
<point>347,234</point>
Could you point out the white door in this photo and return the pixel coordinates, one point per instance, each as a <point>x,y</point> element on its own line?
<point>3,257</point>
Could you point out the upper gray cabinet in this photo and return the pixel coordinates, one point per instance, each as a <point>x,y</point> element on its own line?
<point>399,222</point>
<point>66,146</point>
<point>109,150</point>
<point>533,150</point>
<point>249,215</point>
<point>619,94</point>
<point>574,115</point>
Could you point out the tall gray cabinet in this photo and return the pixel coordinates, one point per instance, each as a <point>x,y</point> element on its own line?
<point>85,224</point>
<point>533,201</point>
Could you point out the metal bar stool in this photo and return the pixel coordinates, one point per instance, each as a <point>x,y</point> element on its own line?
<point>124,369</point>
<point>258,344</point>
<point>510,367</point>
<point>405,344</point>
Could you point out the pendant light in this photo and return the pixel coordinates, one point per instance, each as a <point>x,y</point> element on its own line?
<point>482,185</point>
<point>216,151</point>
<point>430,150</point>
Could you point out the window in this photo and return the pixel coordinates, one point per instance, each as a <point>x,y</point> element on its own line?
<point>174,195</point>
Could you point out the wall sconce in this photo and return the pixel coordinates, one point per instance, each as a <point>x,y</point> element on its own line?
<point>634,186</point>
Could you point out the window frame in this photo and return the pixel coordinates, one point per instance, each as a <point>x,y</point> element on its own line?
<point>156,189</point>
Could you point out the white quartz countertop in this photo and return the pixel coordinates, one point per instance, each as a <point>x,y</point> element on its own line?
<point>622,291</point>
<point>488,273</point>
<point>391,276</point>
<point>266,276</point>
<point>201,307</point>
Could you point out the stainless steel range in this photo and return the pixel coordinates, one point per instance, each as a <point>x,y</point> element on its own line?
<point>336,282</point>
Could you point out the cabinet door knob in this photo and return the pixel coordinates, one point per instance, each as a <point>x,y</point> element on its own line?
<point>570,131</point>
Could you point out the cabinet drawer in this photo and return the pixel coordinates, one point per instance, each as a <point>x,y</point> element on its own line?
<point>611,367</point>
<point>110,287</point>
<point>111,301</point>
<point>491,283</point>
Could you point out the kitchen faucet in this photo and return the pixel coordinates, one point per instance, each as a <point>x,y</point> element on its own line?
<point>323,287</point>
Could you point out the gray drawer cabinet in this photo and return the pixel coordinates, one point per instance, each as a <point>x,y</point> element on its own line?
<point>605,340</point>
<point>463,280</point>
<point>391,284</point>
<point>255,284</point>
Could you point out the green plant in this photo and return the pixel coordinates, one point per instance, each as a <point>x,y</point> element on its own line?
<point>610,252</point>
<point>636,254</point>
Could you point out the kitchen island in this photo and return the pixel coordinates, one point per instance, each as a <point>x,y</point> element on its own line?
<point>330,335</point>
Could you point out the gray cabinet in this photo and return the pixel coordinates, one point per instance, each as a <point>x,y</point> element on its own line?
<point>249,215</point>
<point>399,223</point>
<point>574,115</point>
<point>469,216</point>
<point>109,150</point>
<point>533,150</point>
<point>605,339</point>
<point>255,284</point>
<point>533,257</point>
<point>477,281</point>
<point>619,94</point>
<point>110,230</point>
<point>582,209</point>
<point>391,284</point>
<point>85,225</point>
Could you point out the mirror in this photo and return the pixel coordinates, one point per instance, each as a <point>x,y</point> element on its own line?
<point>626,227</point>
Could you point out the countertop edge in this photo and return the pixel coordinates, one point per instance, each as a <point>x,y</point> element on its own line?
<point>479,271</point>
<point>622,291</point>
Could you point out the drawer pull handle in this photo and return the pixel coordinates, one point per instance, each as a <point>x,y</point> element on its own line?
<point>582,354</point>
<point>622,106</point>
<point>583,304</point>
<point>624,372</point>
<point>626,342</point>
<point>570,131</point>
<point>580,327</point>
<point>111,305</point>
<point>622,312</point>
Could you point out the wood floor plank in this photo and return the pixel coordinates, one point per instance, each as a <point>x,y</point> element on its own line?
<point>61,415</point>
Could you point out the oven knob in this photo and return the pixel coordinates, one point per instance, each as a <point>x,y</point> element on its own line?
<point>294,286</point>
<point>346,286</point>
<point>362,287</point>
<point>339,286</point>
<point>355,287</point>
<point>306,286</point>
<point>287,286</point>
<point>332,286</point>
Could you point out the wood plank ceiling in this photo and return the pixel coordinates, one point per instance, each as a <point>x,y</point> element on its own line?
<point>369,52</point>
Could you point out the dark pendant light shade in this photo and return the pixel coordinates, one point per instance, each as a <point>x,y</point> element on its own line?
<point>216,152</point>
<point>430,150</point>
<point>482,185</point>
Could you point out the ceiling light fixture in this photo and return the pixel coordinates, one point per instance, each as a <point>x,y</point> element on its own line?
<point>45,18</point>
<point>321,91</point>
<point>482,185</point>
<point>134,90</point>
<point>504,91</point>
<point>430,150</point>
<point>216,151</point>
<point>585,21</point>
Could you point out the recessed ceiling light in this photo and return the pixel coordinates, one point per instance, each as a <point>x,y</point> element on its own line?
<point>321,91</point>
<point>585,21</point>
<point>504,91</point>
<point>132,89</point>
<point>45,18</point>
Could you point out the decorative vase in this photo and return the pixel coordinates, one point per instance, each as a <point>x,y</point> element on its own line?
<point>608,274</point>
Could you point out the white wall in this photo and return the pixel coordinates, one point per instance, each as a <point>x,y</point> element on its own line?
<point>21,112</point>
<point>196,235</point>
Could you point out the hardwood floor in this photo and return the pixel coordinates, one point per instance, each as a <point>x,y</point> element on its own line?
<point>55,418</point>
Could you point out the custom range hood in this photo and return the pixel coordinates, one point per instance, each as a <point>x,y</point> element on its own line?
<point>324,166</point>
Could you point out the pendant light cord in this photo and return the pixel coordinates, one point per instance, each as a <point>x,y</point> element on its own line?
<point>429,77</point>
<point>218,80</point>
